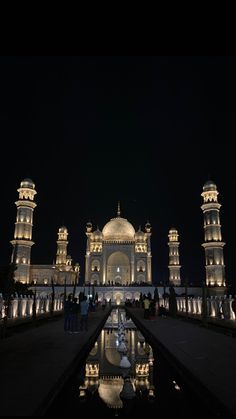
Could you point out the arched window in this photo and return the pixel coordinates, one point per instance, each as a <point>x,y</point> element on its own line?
<point>141,266</point>
<point>95,265</point>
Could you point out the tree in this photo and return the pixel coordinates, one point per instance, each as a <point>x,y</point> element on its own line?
<point>8,290</point>
<point>81,296</point>
<point>156,295</point>
<point>204,303</point>
<point>52,297</point>
<point>34,313</point>
<point>22,289</point>
<point>93,292</point>
<point>64,291</point>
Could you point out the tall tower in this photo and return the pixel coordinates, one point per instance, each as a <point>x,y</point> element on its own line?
<point>149,252</point>
<point>22,242</point>
<point>62,259</point>
<point>213,245</point>
<point>174,266</point>
<point>89,228</point>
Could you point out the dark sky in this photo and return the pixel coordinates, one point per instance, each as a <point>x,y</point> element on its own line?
<point>148,131</point>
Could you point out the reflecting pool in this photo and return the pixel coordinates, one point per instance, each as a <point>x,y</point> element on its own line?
<point>122,375</point>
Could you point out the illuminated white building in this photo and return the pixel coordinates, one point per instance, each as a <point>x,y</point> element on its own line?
<point>22,242</point>
<point>174,266</point>
<point>61,272</point>
<point>118,255</point>
<point>213,245</point>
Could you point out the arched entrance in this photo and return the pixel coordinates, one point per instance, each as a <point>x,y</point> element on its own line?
<point>118,269</point>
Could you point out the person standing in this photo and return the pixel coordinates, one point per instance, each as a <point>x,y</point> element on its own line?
<point>146,305</point>
<point>84,307</point>
<point>104,303</point>
<point>234,307</point>
<point>152,309</point>
<point>67,314</point>
<point>74,316</point>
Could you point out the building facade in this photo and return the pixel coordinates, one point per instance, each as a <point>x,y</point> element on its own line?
<point>118,255</point>
<point>60,273</point>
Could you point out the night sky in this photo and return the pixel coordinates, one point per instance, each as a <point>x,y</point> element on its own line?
<point>148,131</point>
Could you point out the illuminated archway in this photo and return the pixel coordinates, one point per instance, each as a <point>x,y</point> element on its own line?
<point>118,268</point>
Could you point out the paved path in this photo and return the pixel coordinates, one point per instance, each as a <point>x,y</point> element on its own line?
<point>35,364</point>
<point>206,357</point>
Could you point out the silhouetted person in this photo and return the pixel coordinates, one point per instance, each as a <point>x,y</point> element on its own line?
<point>67,314</point>
<point>84,306</point>
<point>234,306</point>
<point>104,303</point>
<point>152,309</point>
<point>74,316</point>
<point>162,311</point>
<point>146,305</point>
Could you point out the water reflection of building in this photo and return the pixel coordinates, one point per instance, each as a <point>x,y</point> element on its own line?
<point>103,372</point>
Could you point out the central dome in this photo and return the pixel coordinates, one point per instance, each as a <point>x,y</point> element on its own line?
<point>118,229</point>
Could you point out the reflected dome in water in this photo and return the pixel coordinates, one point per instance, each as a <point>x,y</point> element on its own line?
<point>114,356</point>
<point>109,391</point>
<point>124,363</point>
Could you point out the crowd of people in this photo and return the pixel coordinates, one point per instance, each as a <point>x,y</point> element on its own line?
<point>150,304</point>
<point>76,312</point>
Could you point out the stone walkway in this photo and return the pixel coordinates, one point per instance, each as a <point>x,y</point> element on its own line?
<point>206,357</point>
<point>35,364</point>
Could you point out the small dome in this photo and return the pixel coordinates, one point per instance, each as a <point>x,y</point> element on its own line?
<point>27,183</point>
<point>97,234</point>
<point>89,227</point>
<point>209,186</point>
<point>97,231</point>
<point>118,229</point>
<point>140,235</point>
<point>173,230</point>
<point>148,227</point>
<point>63,229</point>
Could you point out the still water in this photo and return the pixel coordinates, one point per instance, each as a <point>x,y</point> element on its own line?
<point>122,375</point>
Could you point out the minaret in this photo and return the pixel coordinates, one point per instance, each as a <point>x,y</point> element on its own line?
<point>89,229</point>
<point>149,252</point>
<point>62,242</point>
<point>213,245</point>
<point>174,266</point>
<point>22,242</point>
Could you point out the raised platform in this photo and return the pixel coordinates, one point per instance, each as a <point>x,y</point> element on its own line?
<point>118,295</point>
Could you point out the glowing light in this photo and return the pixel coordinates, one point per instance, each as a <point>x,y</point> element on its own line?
<point>177,387</point>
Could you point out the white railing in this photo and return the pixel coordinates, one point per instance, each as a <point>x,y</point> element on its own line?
<point>22,307</point>
<point>216,307</point>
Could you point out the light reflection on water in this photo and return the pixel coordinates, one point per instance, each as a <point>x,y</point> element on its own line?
<point>103,373</point>
<point>96,386</point>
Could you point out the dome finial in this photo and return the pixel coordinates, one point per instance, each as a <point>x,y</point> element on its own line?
<point>118,209</point>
